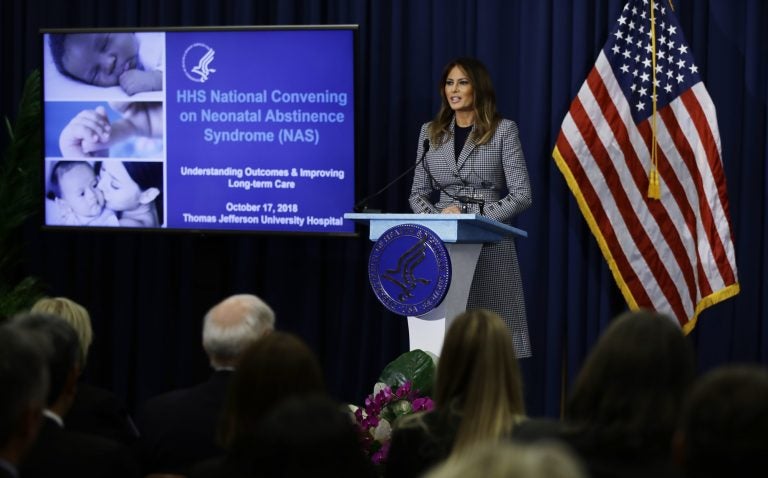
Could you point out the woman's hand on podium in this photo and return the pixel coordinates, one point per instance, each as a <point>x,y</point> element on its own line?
<point>452,209</point>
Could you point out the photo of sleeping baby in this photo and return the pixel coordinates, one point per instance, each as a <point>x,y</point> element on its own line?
<point>107,193</point>
<point>117,66</point>
<point>104,129</point>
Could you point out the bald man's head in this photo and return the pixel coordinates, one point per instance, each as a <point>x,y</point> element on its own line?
<point>233,324</point>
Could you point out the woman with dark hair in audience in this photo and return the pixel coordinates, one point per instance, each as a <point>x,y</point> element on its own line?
<point>309,436</point>
<point>478,397</point>
<point>273,369</point>
<point>625,403</point>
<point>724,426</point>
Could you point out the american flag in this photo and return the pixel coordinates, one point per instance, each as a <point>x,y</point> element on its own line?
<point>673,254</point>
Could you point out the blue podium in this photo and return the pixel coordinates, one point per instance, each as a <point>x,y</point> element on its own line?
<point>463,236</point>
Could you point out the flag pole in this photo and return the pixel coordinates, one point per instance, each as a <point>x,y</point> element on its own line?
<point>654,187</point>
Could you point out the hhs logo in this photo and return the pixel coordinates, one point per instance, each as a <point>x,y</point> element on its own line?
<point>409,270</point>
<point>196,62</point>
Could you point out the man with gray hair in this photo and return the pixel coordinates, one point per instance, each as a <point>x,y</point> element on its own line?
<point>178,428</point>
<point>233,324</point>
<point>24,385</point>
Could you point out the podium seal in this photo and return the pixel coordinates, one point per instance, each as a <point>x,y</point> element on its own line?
<point>409,269</point>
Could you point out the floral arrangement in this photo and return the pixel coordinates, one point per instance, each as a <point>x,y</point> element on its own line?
<point>381,410</point>
<point>402,390</point>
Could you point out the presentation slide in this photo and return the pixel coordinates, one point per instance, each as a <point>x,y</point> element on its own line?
<point>206,129</point>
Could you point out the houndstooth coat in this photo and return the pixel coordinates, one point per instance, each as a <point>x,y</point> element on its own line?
<point>495,172</point>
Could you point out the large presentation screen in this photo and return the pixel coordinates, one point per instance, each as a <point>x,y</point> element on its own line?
<point>226,129</point>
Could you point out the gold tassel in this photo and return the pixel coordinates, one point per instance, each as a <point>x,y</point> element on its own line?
<point>654,188</point>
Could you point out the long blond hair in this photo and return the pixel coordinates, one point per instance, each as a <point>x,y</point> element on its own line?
<point>486,116</point>
<point>478,374</point>
<point>75,314</point>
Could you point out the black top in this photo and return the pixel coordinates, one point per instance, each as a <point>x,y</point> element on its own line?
<point>97,411</point>
<point>60,452</point>
<point>460,135</point>
<point>178,429</point>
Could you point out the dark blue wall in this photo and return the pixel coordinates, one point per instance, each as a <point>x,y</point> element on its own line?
<point>148,292</point>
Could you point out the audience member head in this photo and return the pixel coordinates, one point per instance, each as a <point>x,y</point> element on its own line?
<point>725,424</point>
<point>629,393</point>
<point>23,389</point>
<point>232,325</point>
<point>478,374</point>
<point>61,352</point>
<point>75,314</point>
<point>509,460</point>
<point>308,436</point>
<point>274,368</point>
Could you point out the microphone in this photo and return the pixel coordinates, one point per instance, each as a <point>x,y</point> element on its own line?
<point>472,200</point>
<point>362,204</point>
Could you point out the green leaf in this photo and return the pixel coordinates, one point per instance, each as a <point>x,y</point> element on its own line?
<point>20,297</point>
<point>416,366</point>
<point>20,197</point>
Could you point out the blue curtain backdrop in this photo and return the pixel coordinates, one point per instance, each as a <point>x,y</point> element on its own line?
<point>148,292</point>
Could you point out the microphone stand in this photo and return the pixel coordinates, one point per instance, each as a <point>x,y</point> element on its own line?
<point>362,205</point>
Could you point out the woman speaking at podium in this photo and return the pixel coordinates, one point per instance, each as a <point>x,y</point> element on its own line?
<point>473,157</point>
